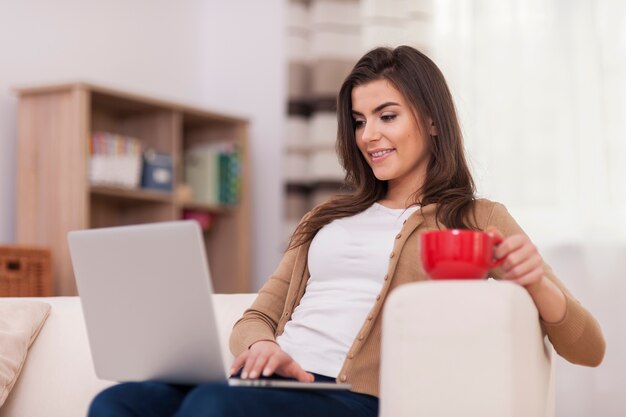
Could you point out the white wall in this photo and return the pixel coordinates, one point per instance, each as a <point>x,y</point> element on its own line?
<point>224,55</point>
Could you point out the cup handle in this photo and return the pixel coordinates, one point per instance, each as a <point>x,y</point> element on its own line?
<point>496,241</point>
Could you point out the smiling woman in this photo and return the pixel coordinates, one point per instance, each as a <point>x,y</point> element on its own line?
<point>318,317</point>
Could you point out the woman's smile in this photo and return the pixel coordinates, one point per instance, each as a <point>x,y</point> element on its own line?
<point>379,155</point>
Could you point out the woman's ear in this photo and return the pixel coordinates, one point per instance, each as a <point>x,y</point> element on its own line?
<point>432,129</point>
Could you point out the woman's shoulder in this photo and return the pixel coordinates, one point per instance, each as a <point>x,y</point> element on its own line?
<point>492,213</point>
<point>484,204</point>
<point>486,212</point>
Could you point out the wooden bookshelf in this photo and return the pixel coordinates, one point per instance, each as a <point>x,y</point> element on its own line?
<point>54,194</point>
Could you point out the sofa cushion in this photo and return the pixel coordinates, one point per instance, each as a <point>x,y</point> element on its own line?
<point>20,322</point>
<point>58,379</point>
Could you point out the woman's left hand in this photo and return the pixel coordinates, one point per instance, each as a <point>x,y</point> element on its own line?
<point>523,264</point>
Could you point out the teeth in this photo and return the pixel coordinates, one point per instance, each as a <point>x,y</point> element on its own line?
<point>381,153</point>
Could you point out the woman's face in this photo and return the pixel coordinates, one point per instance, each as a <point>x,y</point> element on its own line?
<point>389,135</point>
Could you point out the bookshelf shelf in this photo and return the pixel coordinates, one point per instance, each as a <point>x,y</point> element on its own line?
<point>54,194</point>
<point>133,194</point>
<point>212,208</point>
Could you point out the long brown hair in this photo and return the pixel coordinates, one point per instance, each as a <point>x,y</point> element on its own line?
<point>448,181</point>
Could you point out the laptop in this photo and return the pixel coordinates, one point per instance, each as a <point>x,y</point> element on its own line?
<point>146,294</point>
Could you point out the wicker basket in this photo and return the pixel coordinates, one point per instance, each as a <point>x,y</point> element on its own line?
<point>25,271</point>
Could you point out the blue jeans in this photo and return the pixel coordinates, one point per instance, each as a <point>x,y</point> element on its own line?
<point>157,399</point>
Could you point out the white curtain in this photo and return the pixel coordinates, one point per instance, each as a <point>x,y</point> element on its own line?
<point>541,90</point>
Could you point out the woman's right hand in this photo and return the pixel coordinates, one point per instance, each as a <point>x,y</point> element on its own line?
<point>266,358</point>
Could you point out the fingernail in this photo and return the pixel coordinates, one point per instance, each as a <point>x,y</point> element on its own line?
<point>266,372</point>
<point>252,375</point>
<point>244,375</point>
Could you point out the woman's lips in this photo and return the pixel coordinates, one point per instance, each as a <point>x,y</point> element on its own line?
<point>380,155</point>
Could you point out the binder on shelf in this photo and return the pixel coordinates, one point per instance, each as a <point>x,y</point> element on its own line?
<point>158,169</point>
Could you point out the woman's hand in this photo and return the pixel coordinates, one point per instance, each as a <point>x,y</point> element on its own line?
<point>265,358</point>
<point>524,265</point>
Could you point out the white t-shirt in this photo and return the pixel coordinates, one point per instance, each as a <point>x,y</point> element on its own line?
<point>347,259</point>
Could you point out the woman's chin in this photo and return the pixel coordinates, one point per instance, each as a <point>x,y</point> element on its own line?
<point>383,176</point>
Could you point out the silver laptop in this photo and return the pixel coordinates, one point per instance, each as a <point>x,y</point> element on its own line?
<point>146,296</point>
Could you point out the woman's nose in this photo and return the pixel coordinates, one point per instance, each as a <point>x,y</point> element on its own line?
<point>371,132</point>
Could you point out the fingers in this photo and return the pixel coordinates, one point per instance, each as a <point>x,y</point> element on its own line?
<point>530,279</point>
<point>272,364</point>
<point>523,263</point>
<point>293,370</point>
<point>498,239</point>
<point>265,359</point>
<point>252,361</point>
<point>519,253</point>
<point>285,366</point>
<point>305,377</point>
<point>508,246</point>
<point>525,267</point>
<point>238,362</point>
<point>493,231</point>
<point>254,365</point>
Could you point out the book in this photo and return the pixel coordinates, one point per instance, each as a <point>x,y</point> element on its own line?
<point>213,171</point>
<point>115,160</point>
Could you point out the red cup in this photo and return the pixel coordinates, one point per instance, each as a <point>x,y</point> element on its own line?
<point>458,254</point>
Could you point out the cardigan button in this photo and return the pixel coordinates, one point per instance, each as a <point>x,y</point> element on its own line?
<point>378,297</point>
<point>343,378</point>
<point>404,222</point>
<point>386,277</point>
<point>370,317</point>
<point>399,235</point>
<point>391,255</point>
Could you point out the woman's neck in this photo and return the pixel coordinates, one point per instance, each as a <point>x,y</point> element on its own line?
<point>398,200</point>
<point>400,194</point>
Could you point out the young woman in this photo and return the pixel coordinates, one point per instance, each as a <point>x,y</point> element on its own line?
<point>319,315</point>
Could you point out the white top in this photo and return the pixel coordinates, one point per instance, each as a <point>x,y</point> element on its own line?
<point>348,259</point>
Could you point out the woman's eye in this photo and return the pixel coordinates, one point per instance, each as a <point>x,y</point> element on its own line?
<point>359,124</point>
<point>388,117</point>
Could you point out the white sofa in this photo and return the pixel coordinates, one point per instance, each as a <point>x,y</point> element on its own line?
<point>449,349</point>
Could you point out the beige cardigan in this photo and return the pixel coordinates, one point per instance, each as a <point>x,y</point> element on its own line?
<point>578,337</point>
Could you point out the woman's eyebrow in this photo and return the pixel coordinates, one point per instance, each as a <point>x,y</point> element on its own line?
<point>378,108</point>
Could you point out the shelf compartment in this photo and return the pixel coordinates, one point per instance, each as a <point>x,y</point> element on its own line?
<point>107,210</point>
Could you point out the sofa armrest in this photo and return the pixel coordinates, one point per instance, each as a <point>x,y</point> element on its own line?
<point>464,348</point>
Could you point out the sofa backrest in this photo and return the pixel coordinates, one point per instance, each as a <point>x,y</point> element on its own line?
<point>228,309</point>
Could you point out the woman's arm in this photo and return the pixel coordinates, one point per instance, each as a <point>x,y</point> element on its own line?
<point>260,321</point>
<point>572,330</point>
<point>525,266</point>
